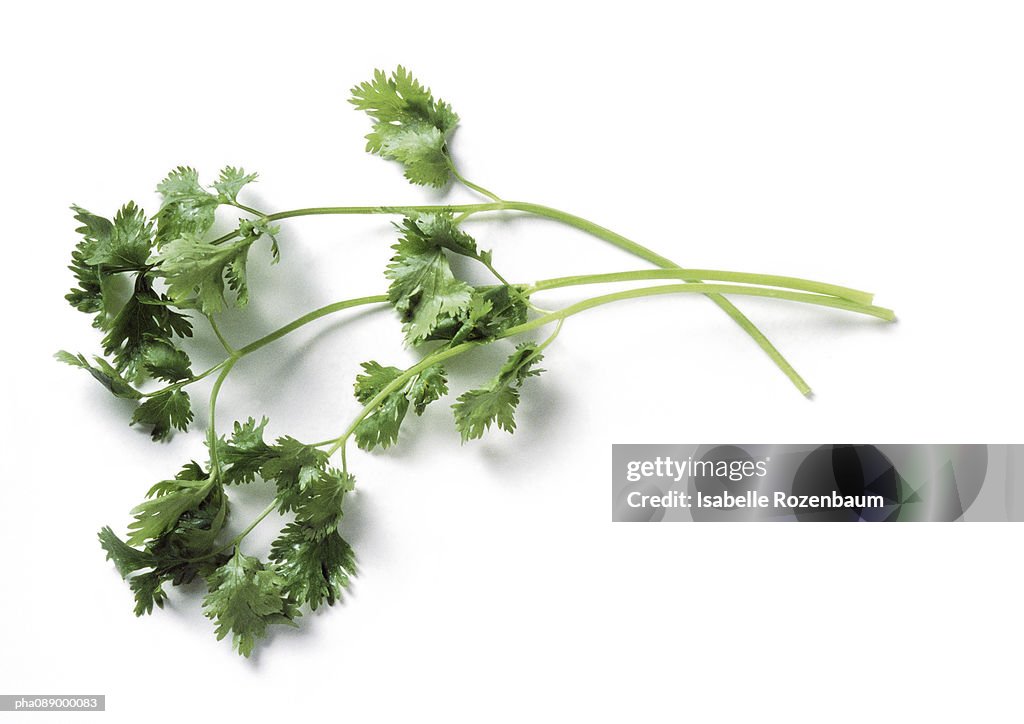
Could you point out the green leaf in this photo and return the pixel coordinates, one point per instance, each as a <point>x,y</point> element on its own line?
<point>164,411</point>
<point>91,294</point>
<point>491,313</point>
<point>144,320</point>
<point>196,531</point>
<point>148,590</point>
<point>410,126</point>
<point>245,598</point>
<point>95,230</point>
<point>169,501</point>
<point>294,467</point>
<point>251,230</point>
<point>88,295</point>
<point>439,229</point>
<point>320,510</point>
<point>167,362</point>
<point>126,559</point>
<point>192,266</point>
<point>374,379</point>
<point>423,288</point>
<point>125,244</point>
<point>103,373</point>
<point>231,182</point>
<point>429,385</point>
<point>245,455</point>
<point>187,207</point>
<point>381,425</point>
<point>477,410</point>
<point>315,570</point>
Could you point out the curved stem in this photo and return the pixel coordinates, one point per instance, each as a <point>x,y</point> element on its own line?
<point>233,543</point>
<point>310,317</point>
<point>275,335</point>
<point>248,209</point>
<point>771,280</point>
<point>562,314</point>
<point>256,521</point>
<point>220,337</point>
<point>398,382</point>
<point>401,209</point>
<point>665,263</point>
<point>584,225</point>
<point>211,431</point>
<point>469,184</point>
<point>189,381</point>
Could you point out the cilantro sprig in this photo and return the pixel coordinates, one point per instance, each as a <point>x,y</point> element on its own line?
<point>151,282</point>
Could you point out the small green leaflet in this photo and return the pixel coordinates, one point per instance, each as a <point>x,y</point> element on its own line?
<point>145,320</point>
<point>319,510</point>
<point>423,290</point>
<point>244,455</point>
<point>251,230</point>
<point>231,182</point>
<point>166,362</point>
<point>178,529</point>
<point>187,207</point>
<point>123,244</point>
<point>168,501</point>
<point>164,410</point>
<point>294,467</point>
<point>126,559</point>
<point>305,483</point>
<point>491,313</point>
<point>315,570</point>
<point>381,425</point>
<point>106,249</point>
<point>496,403</point>
<point>190,266</point>
<point>409,125</point>
<point>103,373</point>
<point>245,598</point>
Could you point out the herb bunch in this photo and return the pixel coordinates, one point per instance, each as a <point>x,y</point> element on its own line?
<point>177,275</point>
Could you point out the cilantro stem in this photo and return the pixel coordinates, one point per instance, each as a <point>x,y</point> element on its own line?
<point>658,260</point>
<point>248,209</point>
<point>582,306</point>
<point>256,521</point>
<point>397,210</point>
<point>701,288</point>
<point>582,224</point>
<point>233,543</point>
<point>469,184</point>
<point>211,431</point>
<point>431,359</point>
<point>577,222</point>
<point>276,335</point>
<point>769,280</point>
<point>310,317</point>
<point>220,337</point>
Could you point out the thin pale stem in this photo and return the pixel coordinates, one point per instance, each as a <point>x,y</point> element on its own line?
<point>277,334</point>
<point>211,431</point>
<point>469,184</point>
<point>584,225</point>
<point>562,314</point>
<point>220,337</point>
<point>769,280</point>
<point>665,263</point>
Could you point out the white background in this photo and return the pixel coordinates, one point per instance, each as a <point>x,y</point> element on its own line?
<point>874,144</point>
